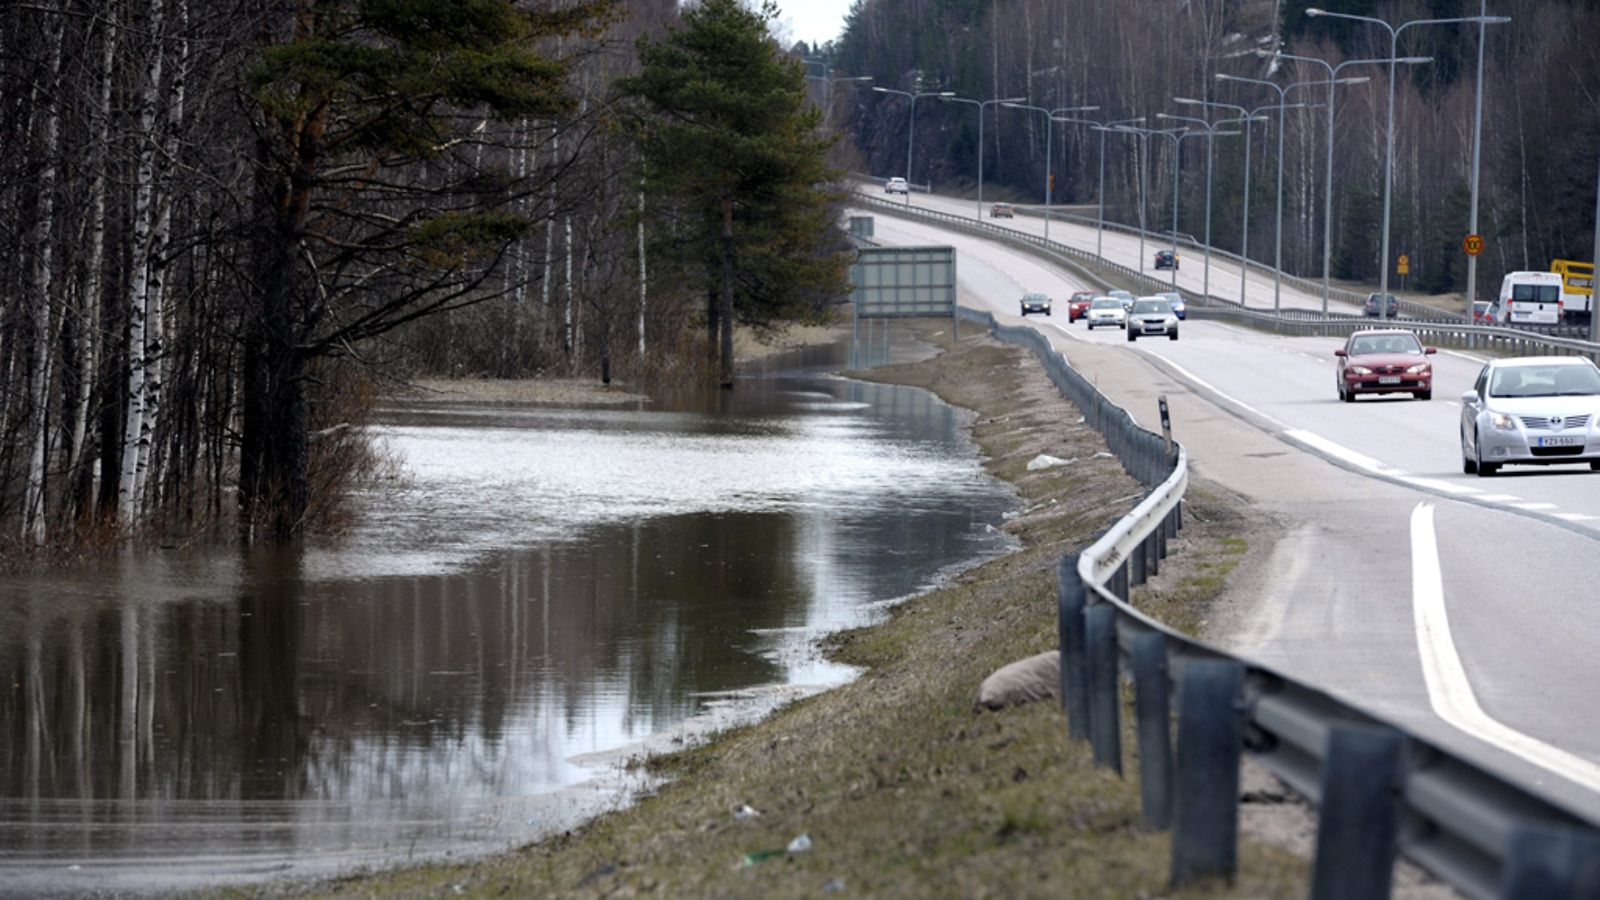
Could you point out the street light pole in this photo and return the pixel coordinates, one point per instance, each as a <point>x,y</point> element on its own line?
<point>1100,221</point>
<point>1248,118</point>
<point>827,88</point>
<point>1178,135</point>
<point>911,126</point>
<point>981,104</point>
<point>1388,149</point>
<point>1210,131</point>
<point>1594,272</point>
<point>1049,150</point>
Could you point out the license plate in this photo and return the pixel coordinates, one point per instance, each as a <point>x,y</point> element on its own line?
<point>1561,442</point>
<point>1389,379</point>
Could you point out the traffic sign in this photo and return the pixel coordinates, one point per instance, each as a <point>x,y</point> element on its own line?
<point>1473,244</point>
<point>1405,264</point>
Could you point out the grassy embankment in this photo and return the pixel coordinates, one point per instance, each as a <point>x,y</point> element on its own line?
<point>904,789</point>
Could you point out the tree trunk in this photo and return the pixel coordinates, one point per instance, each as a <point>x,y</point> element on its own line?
<point>43,284</point>
<point>727,293</point>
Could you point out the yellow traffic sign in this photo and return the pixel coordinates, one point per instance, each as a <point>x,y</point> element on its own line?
<point>1405,264</point>
<point>1473,244</point>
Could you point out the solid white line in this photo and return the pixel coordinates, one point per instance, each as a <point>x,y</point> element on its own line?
<point>1575,517</point>
<point>1445,486</point>
<point>1212,388</point>
<point>1500,498</point>
<point>1318,442</point>
<point>1533,507</point>
<point>1449,691</point>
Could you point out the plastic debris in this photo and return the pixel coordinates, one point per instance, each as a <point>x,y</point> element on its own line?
<point>745,811</point>
<point>1046,461</point>
<point>800,844</point>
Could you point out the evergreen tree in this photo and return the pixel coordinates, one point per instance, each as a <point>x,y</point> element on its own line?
<point>731,151</point>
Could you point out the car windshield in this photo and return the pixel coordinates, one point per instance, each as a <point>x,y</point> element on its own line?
<point>1362,345</point>
<point>1122,295</point>
<point>1106,303</point>
<point>1035,298</point>
<point>1541,293</point>
<point>1151,307</point>
<point>1555,380</point>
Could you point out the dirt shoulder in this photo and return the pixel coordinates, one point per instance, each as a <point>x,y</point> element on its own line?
<point>901,787</point>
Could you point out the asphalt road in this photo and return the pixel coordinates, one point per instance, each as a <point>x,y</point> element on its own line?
<point>1460,607</point>
<point>1124,249</point>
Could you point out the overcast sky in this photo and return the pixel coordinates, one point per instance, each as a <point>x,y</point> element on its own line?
<point>812,21</point>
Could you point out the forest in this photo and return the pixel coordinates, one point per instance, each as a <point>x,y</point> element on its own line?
<point>1540,124</point>
<point>234,225</point>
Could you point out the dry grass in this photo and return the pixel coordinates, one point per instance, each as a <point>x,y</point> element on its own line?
<point>904,789</point>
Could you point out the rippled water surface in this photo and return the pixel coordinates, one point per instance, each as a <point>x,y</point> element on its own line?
<point>545,591</point>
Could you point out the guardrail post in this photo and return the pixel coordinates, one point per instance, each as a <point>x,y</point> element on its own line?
<point>1160,536</point>
<point>1552,864</point>
<point>1357,824</point>
<point>1070,598</point>
<point>1137,564</point>
<point>1153,709</point>
<point>1105,701</point>
<point>1205,833</point>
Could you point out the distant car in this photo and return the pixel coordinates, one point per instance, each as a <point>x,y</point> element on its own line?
<point>1035,303</point>
<point>1381,308</point>
<point>1078,305</point>
<point>1531,410</point>
<point>1126,298</point>
<point>1179,308</point>
<point>1383,361</point>
<point>897,186</point>
<point>1107,311</point>
<point>1480,312</point>
<point>1152,317</point>
<point>1002,211</point>
<point>1166,259</point>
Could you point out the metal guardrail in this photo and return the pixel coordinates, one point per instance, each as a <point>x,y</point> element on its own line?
<point>1379,790</point>
<point>1441,329</point>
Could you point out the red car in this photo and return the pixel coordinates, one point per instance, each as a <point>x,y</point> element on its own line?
<point>1384,361</point>
<point>1480,313</point>
<point>1078,306</point>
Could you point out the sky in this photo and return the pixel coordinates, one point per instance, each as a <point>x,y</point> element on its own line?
<point>812,21</point>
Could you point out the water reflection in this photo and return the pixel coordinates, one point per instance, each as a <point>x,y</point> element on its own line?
<point>546,585</point>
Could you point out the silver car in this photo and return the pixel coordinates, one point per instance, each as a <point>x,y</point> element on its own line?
<point>1152,317</point>
<point>1533,410</point>
<point>1106,311</point>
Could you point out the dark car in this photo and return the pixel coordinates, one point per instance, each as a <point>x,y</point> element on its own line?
<point>1383,361</point>
<point>1166,259</point>
<point>1383,306</point>
<point>1078,305</point>
<point>1035,303</point>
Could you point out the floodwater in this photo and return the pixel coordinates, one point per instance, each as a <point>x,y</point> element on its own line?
<point>545,593</point>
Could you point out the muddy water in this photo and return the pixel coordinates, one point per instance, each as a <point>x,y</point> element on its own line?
<point>545,592</point>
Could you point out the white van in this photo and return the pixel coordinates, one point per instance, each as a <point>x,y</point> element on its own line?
<point>1528,298</point>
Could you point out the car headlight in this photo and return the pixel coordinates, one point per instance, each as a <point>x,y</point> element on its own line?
<point>1502,422</point>
<point>1418,369</point>
<point>1359,370</point>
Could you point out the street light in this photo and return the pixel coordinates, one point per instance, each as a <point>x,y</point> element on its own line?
<point>1100,220</point>
<point>1049,159</point>
<point>1388,150</point>
<point>1327,203</point>
<point>911,123</point>
<point>1143,134</point>
<point>827,87</point>
<point>980,104</point>
<point>1210,131</point>
<point>1178,136</point>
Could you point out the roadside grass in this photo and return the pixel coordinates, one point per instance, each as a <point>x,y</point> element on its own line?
<point>902,787</point>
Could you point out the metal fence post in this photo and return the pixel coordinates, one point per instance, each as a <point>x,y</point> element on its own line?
<point>1137,564</point>
<point>1070,602</point>
<point>1153,709</point>
<point>1205,833</point>
<point>1357,824</point>
<point>1552,864</point>
<point>1105,702</point>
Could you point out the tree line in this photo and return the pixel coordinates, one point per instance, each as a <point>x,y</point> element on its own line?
<point>234,224</point>
<point>1541,119</point>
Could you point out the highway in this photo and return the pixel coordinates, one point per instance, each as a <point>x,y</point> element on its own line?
<point>1457,606</point>
<point>1124,249</point>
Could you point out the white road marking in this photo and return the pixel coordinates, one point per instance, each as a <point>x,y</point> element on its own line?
<point>1466,356</point>
<point>1339,451</point>
<point>1212,388</point>
<point>1575,517</point>
<point>1445,486</point>
<point>1500,498</point>
<point>1449,691</point>
<point>1533,507</point>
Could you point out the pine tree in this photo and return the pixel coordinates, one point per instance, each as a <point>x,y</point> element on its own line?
<point>732,148</point>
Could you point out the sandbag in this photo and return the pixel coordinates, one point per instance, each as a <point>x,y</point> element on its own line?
<point>1026,680</point>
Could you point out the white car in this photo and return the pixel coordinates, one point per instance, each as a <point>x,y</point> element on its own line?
<point>897,186</point>
<point>1106,311</point>
<point>1531,410</point>
<point>1152,317</point>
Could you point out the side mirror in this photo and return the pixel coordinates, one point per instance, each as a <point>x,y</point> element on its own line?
<point>1430,350</point>
<point>1469,397</point>
<point>1340,353</point>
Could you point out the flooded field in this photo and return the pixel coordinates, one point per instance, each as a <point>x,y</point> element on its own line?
<point>545,592</point>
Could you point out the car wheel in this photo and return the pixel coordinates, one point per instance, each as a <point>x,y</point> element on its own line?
<point>1347,395</point>
<point>1469,464</point>
<point>1424,395</point>
<point>1484,469</point>
<point>1089,325</point>
<point>1172,335</point>
<point>1594,466</point>
<point>1132,336</point>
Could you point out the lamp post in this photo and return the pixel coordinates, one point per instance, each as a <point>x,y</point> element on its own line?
<point>1049,149</point>
<point>1210,131</point>
<point>911,123</point>
<point>1100,220</point>
<point>1178,135</point>
<point>827,88</point>
<point>980,104</point>
<point>1388,142</point>
<point>1327,203</point>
